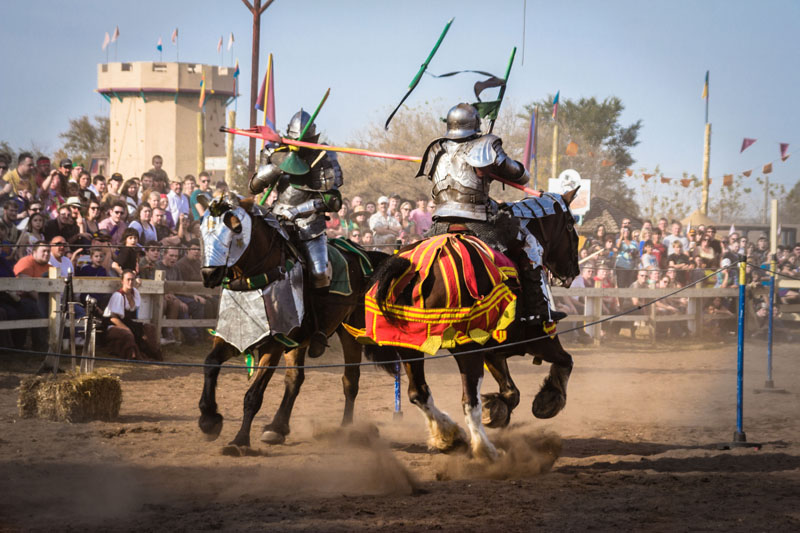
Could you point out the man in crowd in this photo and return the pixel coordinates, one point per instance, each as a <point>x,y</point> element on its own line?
<point>181,306</point>
<point>43,168</point>
<point>713,242</point>
<point>23,173</point>
<point>114,184</point>
<point>9,220</point>
<point>98,186</point>
<point>675,234</point>
<point>63,225</point>
<point>178,202</point>
<point>26,305</point>
<point>149,261</point>
<point>77,168</point>
<point>159,221</point>
<point>394,204</point>
<point>147,184</point>
<point>203,190</point>
<point>58,256</point>
<point>385,228</point>
<point>114,224</point>
<point>5,161</point>
<point>420,216</point>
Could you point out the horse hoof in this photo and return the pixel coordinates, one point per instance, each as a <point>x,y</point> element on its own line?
<point>272,437</point>
<point>210,425</point>
<point>548,403</point>
<point>233,450</point>
<point>495,412</point>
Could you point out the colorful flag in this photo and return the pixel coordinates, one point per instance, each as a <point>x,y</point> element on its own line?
<point>219,44</point>
<point>160,46</point>
<point>665,180</point>
<point>784,150</point>
<point>747,173</point>
<point>727,180</point>
<point>116,35</point>
<point>202,91</point>
<point>705,88</point>
<point>530,144</point>
<point>572,149</point>
<point>629,172</point>
<point>266,96</point>
<point>746,143</point>
<point>647,176</point>
<point>555,105</point>
<point>606,163</point>
<point>767,168</point>
<point>175,36</point>
<point>230,41</point>
<point>686,181</point>
<point>236,70</point>
<point>106,41</point>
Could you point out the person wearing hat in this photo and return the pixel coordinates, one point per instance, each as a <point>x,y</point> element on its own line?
<point>42,170</point>
<point>359,216</point>
<point>385,228</point>
<point>63,225</point>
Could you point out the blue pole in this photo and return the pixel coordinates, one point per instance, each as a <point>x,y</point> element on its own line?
<point>739,435</point>
<point>397,412</point>
<point>773,266</point>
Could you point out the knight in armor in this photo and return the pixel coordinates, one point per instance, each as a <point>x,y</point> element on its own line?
<point>460,165</point>
<point>306,189</point>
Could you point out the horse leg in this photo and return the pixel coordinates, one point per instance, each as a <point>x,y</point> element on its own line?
<point>497,407</point>
<point>275,432</point>
<point>444,434</point>
<point>471,368</point>
<point>210,420</point>
<point>255,394</point>
<point>352,354</point>
<point>552,396</point>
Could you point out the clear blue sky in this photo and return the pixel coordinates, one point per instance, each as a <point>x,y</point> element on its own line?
<point>651,54</point>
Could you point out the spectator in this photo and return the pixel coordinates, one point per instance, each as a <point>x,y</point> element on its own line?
<point>18,305</point>
<point>142,224</point>
<point>148,263</point>
<point>5,161</point>
<point>128,255</point>
<point>178,202</point>
<point>124,336</point>
<point>52,196</point>
<point>98,187</point>
<point>394,204</point>
<point>198,208</point>
<point>597,241</point>
<point>675,234</point>
<point>627,258</point>
<point>64,224</point>
<point>367,240</point>
<point>157,171</point>
<point>9,220</point>
<point>145,186</point>
<point>95,269</point>
<point>648,259</point>
<point>180,306</point>
<point>760,254</point>
<point>84,182</point>
<point>421,217</point>
<point>75,173</point>
<point>659,250</point>
<point>706,252</point>
<point>160,224</point>
<point>408,229</point>
<point>32,234</point>
<point>345,222</point>
<point>114,186</point>
<point>386,228</point>
<point>360,217</point>
<point>22,174</point>
<point>189,185</point>
<point>662,225</point>
<point>644,236</point>
<point>130,194</point>
<point>679,260</point>
<point>58,257</point>
<point>370,208</point>
<point>357,201</point>
<point>220,189</point>
<point>711,231</point>
<point>42,171</point>
<point>114,224</point>
<point>152,198</point>
<point>355,236</point>
<point>692,237</point>
<point>90,224</point>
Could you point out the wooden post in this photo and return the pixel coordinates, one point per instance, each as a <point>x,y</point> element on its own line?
<point>71,319</point>
<point>229,149</point>
<point>201,135</point>
<point>698,315</point>
<point>56,327</point>
<point>653,323</point>
<point>158,304</point>
<point>706,165</point>
<point>554,161</point>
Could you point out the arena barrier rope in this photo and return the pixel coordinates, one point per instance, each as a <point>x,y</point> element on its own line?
<point>503,346</point>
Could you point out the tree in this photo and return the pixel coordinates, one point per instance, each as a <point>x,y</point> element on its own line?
<point>84,139</point>
<point>603,144</point>
<point>790,208</point>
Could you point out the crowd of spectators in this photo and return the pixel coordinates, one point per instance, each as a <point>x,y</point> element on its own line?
<point>98,227</point>
<point>668,256</point>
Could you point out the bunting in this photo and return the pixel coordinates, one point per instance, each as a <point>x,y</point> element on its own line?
<point>747,173</point>
<point>606,163</point>
<point>665,179</point>
<point>219,44</point>
<point>747,143</point>
<point>629,172</point>
<point>106,40</point>
<point>116,35</point>
<point>647,176</point>
<point>686,181</point>
<point>572,149</point>
<point>766,169</point>
<point>727,180</point>
<point>175,36</point>
<point>784,151</point>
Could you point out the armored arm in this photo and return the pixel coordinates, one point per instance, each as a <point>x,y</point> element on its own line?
<point>268,172</point>
<point>507,168</point>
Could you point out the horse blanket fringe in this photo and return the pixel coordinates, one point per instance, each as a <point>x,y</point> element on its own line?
<point>471,314</point>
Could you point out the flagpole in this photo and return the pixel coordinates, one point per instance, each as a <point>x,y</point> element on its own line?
<point>535,147</point>
<point>706,154</point>
<point>267,81</point>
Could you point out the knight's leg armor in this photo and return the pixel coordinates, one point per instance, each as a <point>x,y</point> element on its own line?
<point>536,305</point>
<point>319,274</point>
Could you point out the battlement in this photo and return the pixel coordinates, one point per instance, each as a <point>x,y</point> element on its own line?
<point>157,77</point>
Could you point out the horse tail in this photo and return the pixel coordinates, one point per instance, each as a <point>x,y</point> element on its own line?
<point>387,356</point>
<point>389,270</point>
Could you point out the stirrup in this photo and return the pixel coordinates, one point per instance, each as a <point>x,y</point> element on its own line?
<point>317,344</point>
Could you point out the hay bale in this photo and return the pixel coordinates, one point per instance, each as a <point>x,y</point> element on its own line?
<point>70,397</point>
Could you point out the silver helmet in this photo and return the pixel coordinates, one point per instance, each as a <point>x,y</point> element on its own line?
<point>463,121</point>
<point>297,123</point>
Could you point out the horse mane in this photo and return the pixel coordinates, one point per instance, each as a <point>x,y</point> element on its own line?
<point>248,203</point>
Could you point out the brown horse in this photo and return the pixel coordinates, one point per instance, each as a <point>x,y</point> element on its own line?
<point>265,255</point>
<point>554,229</point>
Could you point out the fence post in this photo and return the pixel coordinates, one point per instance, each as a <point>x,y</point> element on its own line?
<point>653,323</point>
<point>158,304</point>
<point>51,362</point>
<point>698,315</point>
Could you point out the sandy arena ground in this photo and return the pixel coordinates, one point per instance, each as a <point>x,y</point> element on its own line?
<point>635,449</point>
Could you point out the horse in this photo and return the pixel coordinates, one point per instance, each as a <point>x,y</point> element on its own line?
<point>246,248</point>
<point>551,222</point>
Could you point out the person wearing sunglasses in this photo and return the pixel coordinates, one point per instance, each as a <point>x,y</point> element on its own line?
<point>115,224</point>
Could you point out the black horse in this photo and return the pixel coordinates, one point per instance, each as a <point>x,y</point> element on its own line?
<point>265,255</point>
<point>555,231</point>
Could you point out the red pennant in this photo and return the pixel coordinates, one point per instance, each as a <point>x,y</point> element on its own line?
<point>605,163</point>
<point>647,176</point>
<point>686,182</point>
<point>767,168</point>
<point>746,143</point>
<point>629,172</point>
<point>572,149</point>
<point>747,173</point>
<point>784,149</point>
<point>665,180</point>
<point>727,180</point>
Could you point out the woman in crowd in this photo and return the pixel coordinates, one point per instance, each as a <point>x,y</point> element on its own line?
<point>128,255</point>
<point>345,220</point>
<point>130,190</point>
<point>627,258</point>
<point>142,225</point>
<point>124,337</point>
<point>408,229</point>
<point>360,218</point>
<point>163,203</point>
<point>89,222</point>
<point>705,251</point>
<point>54,196</point>
<point>31,235</point>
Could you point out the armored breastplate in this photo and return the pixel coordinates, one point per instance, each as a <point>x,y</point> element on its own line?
<point>457,189</point>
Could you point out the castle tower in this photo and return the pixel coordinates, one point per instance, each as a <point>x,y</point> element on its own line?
<point>154,111</point>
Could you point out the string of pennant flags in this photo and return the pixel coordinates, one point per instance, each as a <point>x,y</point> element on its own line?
<point>114,36</point>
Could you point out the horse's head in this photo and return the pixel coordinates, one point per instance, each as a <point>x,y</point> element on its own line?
<point>559,240</point>
<point>226,228</point>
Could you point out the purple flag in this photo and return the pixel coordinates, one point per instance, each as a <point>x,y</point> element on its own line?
<point>784,150</point>
<point>530,145</point>
<point>746,143</point>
